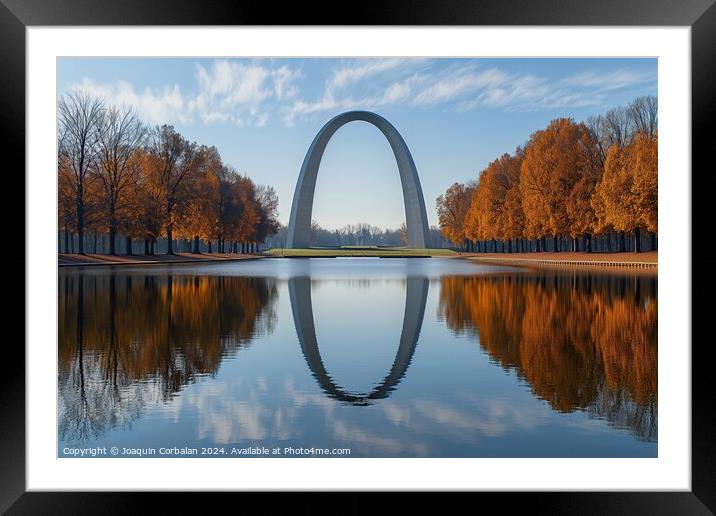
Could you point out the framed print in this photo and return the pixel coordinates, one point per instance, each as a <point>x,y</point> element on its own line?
<point>420,252</point>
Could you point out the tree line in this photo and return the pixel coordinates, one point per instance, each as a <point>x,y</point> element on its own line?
<point>587,186</point>
<point>119,176</point>
<point>360,234</point>
<point>363,234</point>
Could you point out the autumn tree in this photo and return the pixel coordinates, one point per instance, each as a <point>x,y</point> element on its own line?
<point>245,228</point>
<point>149,205</point>
<point>559,164</point>
<point>131,220</point>
<point>536,196</point>
<point>78,116</point>
<point>176,163</point>
<point>117,177</point>
<point>580,211</point>
<point>581,217</point>
<point>452,208</point>
<point>626,198</point>
<point>513,215</point>
<point>614,198</point>
<point>646,182</point>
<point>233,207</point>
<point>496,209</point>
<point>571,181</point>
<point>480,217</point>
<point>204,213</point>
<point>141,215</point>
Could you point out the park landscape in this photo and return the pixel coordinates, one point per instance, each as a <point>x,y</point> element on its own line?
<point>587,187</point>
<point>223,308</point>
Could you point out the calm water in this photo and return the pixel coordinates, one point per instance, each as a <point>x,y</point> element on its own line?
<point>383,357</point>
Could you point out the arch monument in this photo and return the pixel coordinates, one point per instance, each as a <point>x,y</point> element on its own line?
<point>416,220</point>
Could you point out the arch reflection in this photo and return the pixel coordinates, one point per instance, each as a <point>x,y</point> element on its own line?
<point>301,305</point>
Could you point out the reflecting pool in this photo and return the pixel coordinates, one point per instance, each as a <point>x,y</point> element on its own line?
<point>359,357</point>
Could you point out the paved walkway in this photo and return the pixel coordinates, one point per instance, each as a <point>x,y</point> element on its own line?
<point>65,260</point>
<point>647,260</point>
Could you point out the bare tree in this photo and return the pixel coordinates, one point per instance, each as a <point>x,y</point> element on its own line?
<point>403,230</point>
<point>644,115</point>
<point>597,130</point>
<point>120,137</point>
<point>618,126</point>
<point>78,116</point>
<point>268,212</point>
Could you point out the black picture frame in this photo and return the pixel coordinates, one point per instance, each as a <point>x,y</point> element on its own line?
<point>700,15</point>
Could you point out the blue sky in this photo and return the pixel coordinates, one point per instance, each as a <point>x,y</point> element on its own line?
<point>456,115</point>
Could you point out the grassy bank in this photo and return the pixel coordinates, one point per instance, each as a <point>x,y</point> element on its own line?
<point>382,252</point>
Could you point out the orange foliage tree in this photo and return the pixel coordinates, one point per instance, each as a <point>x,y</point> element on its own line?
<point>626,197</point>
<point>452,208</point>
<point>572,182</point>
<point>559,165</point>
<point>496,211</point>
<point>116,176</point>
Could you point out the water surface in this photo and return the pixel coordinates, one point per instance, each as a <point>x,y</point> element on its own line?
<point>364,357</point>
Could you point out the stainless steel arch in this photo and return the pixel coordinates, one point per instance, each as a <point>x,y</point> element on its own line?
<point>416,219</point>
<point>416,293</point>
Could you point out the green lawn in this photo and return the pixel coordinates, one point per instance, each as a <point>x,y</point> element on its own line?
<point>359,251</point>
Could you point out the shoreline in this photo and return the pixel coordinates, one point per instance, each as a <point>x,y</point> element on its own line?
<point>94,260</point>
<point>641,262</point>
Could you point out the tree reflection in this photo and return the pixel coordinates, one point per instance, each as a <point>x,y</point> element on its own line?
<point>126,341</point>
<point>582,342</point>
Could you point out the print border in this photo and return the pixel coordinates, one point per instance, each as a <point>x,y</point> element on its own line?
<point>700,15</point>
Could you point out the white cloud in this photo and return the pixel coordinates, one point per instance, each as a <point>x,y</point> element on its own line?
<point>301,107</point>
<point>284,82</point>
<point>517,92</point>
<point>396,92</point>
<point>360,70</point>
<point>154,106</point>
<point>458,83</point>
<point>616,79</point>
<point>229,84</point>
<point>255,92</point>
<point>227,92</point>
<point>234,92</point>
<point>351,74</point>
<point>464,87</point>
